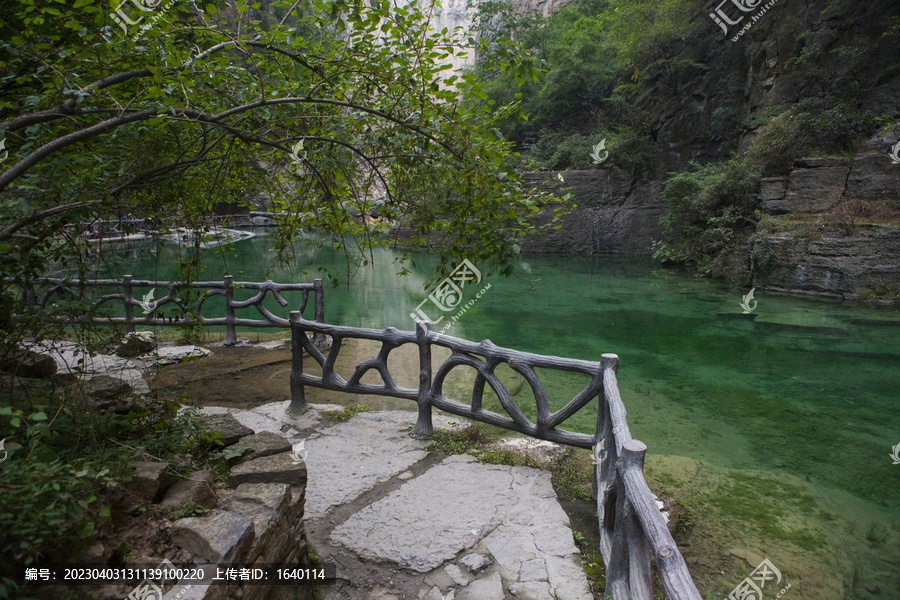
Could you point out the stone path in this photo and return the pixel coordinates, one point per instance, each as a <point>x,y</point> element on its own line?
<point>401,523</point>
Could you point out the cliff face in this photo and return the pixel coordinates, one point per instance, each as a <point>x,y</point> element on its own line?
<point>708,98</point>
<point>842,268</point>
<point>614,214</point>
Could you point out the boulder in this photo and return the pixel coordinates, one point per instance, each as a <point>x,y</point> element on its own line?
<point>136,343</point>
<point>264,443</point>
<point>219,537</point>
<point>873,178</point>
<point>232,431</point>
<point>267,505</point>
<point>28,363</point>
<point>103,387</point>
<point>278,468</point>
<point>170,355</point>
<point>197,488</point>
<point>149,479</point>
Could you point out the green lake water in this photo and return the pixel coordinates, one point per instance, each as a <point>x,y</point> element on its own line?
<point>797,401</point>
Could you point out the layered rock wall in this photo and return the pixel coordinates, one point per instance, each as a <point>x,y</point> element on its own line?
<point>613,214</point>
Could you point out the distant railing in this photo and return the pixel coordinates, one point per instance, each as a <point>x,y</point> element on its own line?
<point>52,288</point>
<point>631,525</point>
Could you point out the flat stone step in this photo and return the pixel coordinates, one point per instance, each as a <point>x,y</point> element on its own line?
<point>400,523</point>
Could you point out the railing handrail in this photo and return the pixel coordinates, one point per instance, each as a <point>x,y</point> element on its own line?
<point>631,525</point>
<point>75,288</point>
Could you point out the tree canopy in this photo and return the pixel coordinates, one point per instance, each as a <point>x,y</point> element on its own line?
<point>170,107</point>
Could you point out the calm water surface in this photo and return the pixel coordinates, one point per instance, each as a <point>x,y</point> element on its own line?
<point>802,388</point>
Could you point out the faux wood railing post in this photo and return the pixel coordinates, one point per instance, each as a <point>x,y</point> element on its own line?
<point>319,315</point>
<point>617,567</point>
<point>639,576</point>
<point>424,427</point>
<point>129,299</point>
<point>230,330</point>
<point>598,438</point>
<point>298,395</point>
<point>676,578</point>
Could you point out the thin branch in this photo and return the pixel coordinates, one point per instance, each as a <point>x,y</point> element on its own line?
<point>9,231</point>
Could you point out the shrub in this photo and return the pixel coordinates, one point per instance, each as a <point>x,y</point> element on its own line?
<point>779,142</point>
<point>836,129</point>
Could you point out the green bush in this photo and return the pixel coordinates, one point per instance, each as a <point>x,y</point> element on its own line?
<point>836,129</point>
<point>779,142</point>
<point>708,203</point>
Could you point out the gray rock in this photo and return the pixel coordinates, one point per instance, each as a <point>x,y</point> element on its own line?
<point>197,488</point>
<point>510,550</point>
<point>439,579</point>
<point>103,387</point>
<point>486,588</point>
<point>400,526</point>
<point>567,579</point>
<point>348,459</point>
<point>475,562</point>
<point>456,574</point>
<point>611,215</point>
<point>533,570</point>
<point>201,589</point>
<point>218,537</point>
<point>811,190</point>
<point>170,355</point>
<point>873,177</point>
<point>839,267</point>
<point>28,363</point>
<point>532,590</point>
<point>232,431</point>
<point>547,539</point>
<point>772,188</point>
<point>435,594</point>
<point>278,468</point>
<point>136,343</point>
<point>149,479</point>
<point>264,504</point>
<point>261,444</point>
<point>818,163</point>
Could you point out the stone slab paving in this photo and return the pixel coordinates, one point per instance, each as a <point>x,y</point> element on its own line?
<point>421,528</point>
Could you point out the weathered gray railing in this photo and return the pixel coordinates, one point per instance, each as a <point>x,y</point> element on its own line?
<point>631,525</point>
<point>79,289</point>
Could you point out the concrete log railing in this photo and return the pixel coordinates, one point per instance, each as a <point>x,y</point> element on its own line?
<point>53,288</point>
<point>632,529</point>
